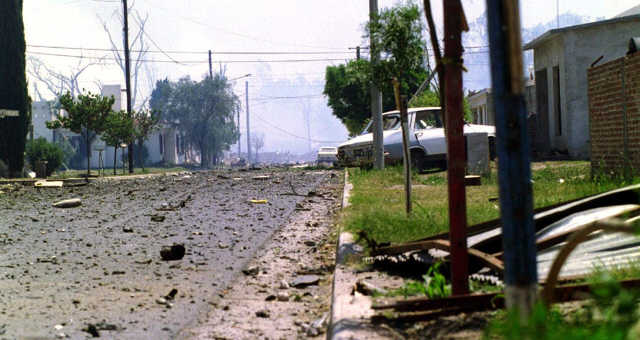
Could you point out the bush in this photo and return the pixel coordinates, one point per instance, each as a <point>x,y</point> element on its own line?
<point>41,150</point>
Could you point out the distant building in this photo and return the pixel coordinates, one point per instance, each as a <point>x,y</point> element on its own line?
<point>561,58</point>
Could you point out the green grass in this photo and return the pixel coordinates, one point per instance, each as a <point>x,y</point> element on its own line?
<point>611,314</point>
<point>377,199</point>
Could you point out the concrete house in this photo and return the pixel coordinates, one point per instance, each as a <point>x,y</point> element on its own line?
<point>481,104</point>
<point>561,59</point>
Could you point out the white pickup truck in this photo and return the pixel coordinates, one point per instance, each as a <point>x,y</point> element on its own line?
<point>427,143</point>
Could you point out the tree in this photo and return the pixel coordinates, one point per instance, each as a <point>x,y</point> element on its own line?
<point>145,122</point>
<point>398,36</point>
<point>118,130</point>
<point>257,142</point>
<point>203,110</point>
<point>13,86</point>
<point>87,116</point>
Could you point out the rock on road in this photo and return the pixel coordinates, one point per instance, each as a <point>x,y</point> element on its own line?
<point>97,267</point>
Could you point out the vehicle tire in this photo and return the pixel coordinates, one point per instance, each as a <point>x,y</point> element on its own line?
<point>418,161</point>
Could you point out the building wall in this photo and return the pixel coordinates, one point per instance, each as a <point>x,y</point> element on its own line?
<point>614,91</point>
<point>582,48</point>
<point>546,56</point>
<point>40,114</point>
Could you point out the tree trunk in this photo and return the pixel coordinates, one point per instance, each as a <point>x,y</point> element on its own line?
<point>13,86</point>
<point>115,158</point>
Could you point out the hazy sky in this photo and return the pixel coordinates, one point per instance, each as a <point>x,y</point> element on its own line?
<point>240,26</point>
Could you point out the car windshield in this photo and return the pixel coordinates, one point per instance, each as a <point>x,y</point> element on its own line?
<point>389,122</point>
<point>427,119</point>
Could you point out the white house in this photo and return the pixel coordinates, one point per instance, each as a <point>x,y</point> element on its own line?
<point>561,59</point>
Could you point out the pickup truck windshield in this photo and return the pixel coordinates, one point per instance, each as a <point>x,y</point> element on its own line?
<point>389,122</point>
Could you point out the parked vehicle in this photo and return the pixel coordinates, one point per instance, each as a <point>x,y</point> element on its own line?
<point>427,143</point>
<point>328,154</point>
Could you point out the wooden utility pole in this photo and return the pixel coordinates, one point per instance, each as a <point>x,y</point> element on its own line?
<point>401,104</point>
<point>376,99</point>
<point>513,150</point>
<point>210,66</point>
<point>453,24</point>
<point>246,89</point>
<point>127,71</point>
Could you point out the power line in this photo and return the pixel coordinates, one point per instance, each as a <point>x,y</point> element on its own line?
<point>189,52</point>
<point>288,97</point>
<point>292,134</point>
<point>192,61</point>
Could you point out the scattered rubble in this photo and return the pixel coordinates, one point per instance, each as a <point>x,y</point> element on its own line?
<point>173,252</point>
<point>70,203</point>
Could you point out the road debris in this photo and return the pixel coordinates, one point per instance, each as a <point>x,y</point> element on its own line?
<point>172,253</point>
<point>305,281</point>
<point>70,203</point>
<point>48,184</point>
<point>258,201</point>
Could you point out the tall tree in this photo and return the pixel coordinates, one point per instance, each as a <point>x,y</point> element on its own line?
<point>204,111</point>
<point>87,116</point>
<point>398,36</point>
<point>13,86</point>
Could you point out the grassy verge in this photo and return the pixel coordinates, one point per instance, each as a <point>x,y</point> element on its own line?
<point>377,205</point>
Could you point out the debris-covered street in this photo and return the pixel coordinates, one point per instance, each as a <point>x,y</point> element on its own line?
<point>99,268</point>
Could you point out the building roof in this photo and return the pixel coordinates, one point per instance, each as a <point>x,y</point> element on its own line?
<point>557,31</point>
<point>631,11</point>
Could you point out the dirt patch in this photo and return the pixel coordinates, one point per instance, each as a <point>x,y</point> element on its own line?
<point>285,292</point>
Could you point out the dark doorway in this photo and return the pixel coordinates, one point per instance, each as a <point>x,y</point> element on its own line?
<point>556,100</point>
<point>542,143</point>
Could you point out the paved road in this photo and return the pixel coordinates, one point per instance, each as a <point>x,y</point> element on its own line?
<point>99,264</point>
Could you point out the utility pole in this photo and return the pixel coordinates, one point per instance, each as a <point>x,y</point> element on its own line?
<point>127,68</point>
<point>246,92</point>
<point>239,136</point>
<point>210,66</point>
<point>376,98</point>
<point>513,150</point>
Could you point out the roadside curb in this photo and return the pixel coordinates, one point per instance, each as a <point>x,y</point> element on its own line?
<point>350,312</point>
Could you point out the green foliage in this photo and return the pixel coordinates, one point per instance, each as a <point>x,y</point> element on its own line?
<point>347,87</point>
<point>205,110</point>
<point>612,314</point>
<point>13,86</point>
<point>87,115</point>
<point>41,150</point>
<point>433,286</point>
<point>118,129</point>
<point>430,98</point>
<point>398,35</point>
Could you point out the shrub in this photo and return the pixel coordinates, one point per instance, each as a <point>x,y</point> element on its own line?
<point>41,150</point>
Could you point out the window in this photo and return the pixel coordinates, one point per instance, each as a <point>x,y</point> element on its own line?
<point>427,119</point>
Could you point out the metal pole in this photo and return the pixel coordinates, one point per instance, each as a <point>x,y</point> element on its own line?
<point>127,68</point>
<point>358,52</point>
<point>210,66</point>
<point>407,155</point>
<point>376,99</point>
<point>246,85</point>
<point>453,22</point>
<point>513,149</point>
<point>239,136</point>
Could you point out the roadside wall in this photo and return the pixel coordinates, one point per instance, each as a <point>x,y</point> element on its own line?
<point>614,94</point>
